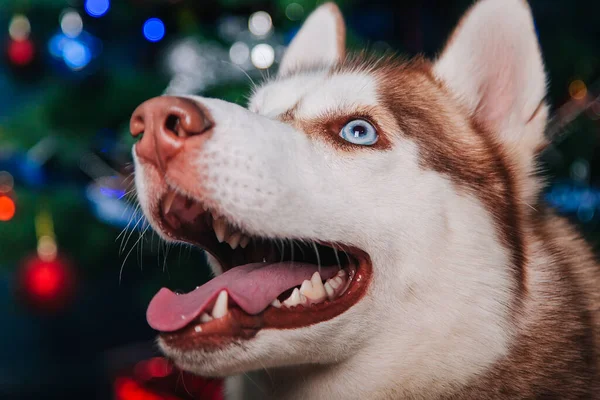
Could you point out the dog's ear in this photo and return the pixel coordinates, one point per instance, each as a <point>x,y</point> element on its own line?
<point>320,41</point>
<point>493,66</point>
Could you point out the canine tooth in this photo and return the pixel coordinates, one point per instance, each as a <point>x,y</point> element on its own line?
<point>244,241</point>
<point>295,299</point>
<point>276,303</point>
<point>168,202</point>
<point>220,227</point>
<point>220,308</point>
<point>205,318</point>
<point>329,290</point>
<point>234,239</point>
<point>306,287</point>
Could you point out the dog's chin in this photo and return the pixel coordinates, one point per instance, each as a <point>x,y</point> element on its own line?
<point>275,296</point>
<point>326,343</point>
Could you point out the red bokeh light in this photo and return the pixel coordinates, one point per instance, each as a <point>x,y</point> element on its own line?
<point>46,280</point>
<point>7,208</point>
<point>21,52</point>
<point>129,389</point>
<point>157,367</point>
<point>46,285</point>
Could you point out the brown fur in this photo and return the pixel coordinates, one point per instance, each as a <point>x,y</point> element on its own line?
<point>557,338</point>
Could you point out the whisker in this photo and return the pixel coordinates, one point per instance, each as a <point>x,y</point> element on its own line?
<point>337,257</point>
<point>128,253</point>
<point>317,254</point>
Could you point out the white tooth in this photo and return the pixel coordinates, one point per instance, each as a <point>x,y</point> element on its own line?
<point>234,239</point>
<point>220,308</point>
<point>244,241</point>
<point>295,299</point>
<point>335,282</point>
<point>314,289</point>
<point>306,287</point>
<point>198,328</point>
<point>168,202</point>
<point>220,227</point>
<point>317,283</point>
<point>276,303</point>
<point>330,291</point>
<point>341,273</point>
<point>205,318</point>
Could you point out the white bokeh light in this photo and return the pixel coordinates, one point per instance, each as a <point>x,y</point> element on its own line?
<point>239,53</point>
<point>19,27</point>
<point>71,23</point>
<point>260,23</point>
<point>262,56</point>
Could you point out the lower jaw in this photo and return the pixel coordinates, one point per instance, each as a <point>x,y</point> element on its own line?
<point>238,325</point>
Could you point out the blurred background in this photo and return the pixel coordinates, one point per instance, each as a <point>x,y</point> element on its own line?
<point>75,273</point>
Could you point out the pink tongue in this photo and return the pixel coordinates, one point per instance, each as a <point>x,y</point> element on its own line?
<point>252,287</point>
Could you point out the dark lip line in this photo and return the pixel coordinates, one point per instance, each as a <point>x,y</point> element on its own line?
<point>237,325</point>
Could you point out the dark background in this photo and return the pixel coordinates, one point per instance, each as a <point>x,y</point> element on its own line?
<point>72,321</point>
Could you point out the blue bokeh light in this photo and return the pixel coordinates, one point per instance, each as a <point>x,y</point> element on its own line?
<point>154,29</point>
<point>97,8</point>
<point>76,54</point>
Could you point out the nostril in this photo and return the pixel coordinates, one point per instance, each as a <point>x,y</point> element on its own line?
<point>137,126</point>
<point>173,125</point>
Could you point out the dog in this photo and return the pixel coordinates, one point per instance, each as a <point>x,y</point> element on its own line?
<point>374,225</point>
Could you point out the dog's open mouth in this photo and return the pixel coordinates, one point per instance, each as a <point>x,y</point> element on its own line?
<point>267,282</point>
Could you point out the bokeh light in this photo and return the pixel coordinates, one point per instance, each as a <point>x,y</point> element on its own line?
<point>21,52</point>
<point>47,249</point>
<point>580,170</point>
<point>578,89</point>
<point>7,208</point>
<point>97,8</point>
<point>294,11</point>
<point>262,56</point>
<point>71,23</point>
<point>239,53</point>
<point>77,55</point>
<point>6,182</point>
<point>260,23</point>
<point>19,27</point>
<point>154,30</point>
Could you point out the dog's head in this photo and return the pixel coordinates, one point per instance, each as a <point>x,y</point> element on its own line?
<point>402,184</point>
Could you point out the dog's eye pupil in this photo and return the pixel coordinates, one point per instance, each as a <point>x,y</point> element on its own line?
<point>359,131</point>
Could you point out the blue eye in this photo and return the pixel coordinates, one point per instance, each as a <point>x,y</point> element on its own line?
<point>359,132</point>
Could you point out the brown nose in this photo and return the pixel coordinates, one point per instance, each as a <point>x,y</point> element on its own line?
<point>165,123</point>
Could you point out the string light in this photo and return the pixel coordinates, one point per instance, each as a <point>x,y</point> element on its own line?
<point>154,30</point>
<point>97,8</point>
<point>294,11</point>
<point>260,23</point>
<point>6,182</point>
<point>239,53</point>
<point>578,89</point>
<point>71,23</point>
<point>21,52</point>
<point>7,208</point>
<point>76,54</point>
<point>19,27</point>
<point>262,56</point>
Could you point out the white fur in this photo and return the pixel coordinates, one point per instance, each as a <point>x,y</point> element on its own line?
<point>494,67</point>
<point>436,314</point>
<point>315,94</point>
<point>317,42</point>
<point>437,261</point>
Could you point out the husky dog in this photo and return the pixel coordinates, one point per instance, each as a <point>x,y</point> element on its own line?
<point>373,225</point>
